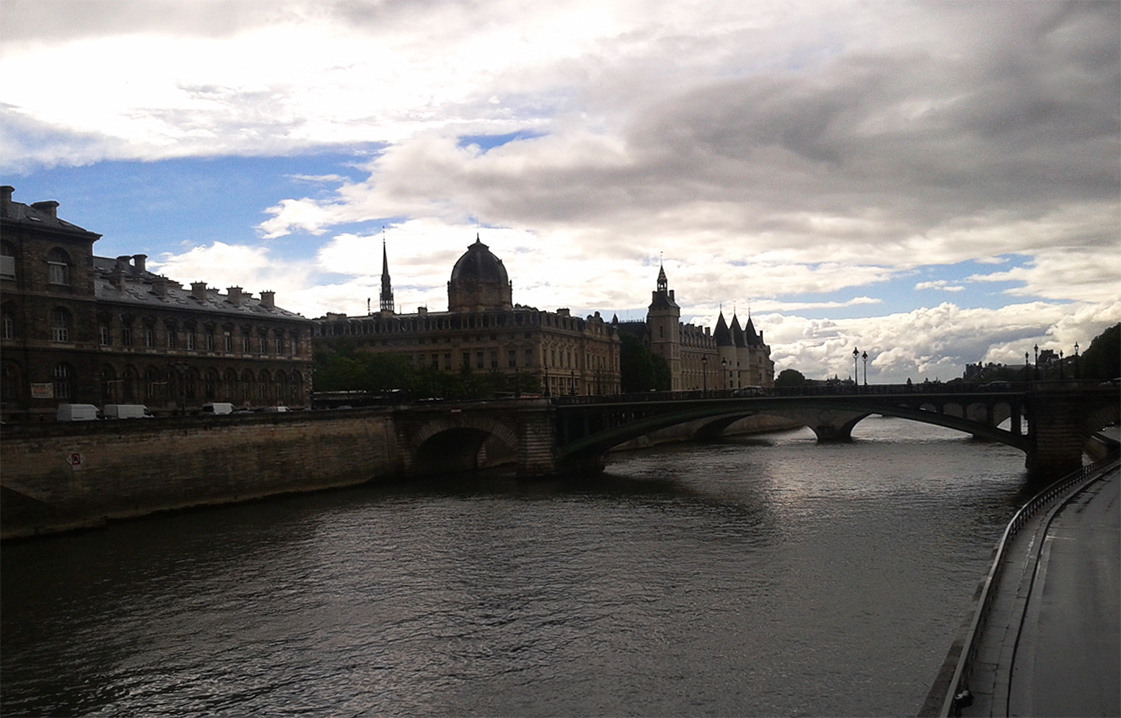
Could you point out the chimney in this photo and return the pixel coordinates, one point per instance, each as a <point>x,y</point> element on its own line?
<point>268,299</point>
<point>49,208</point>
<point>159,286</point>
<point>234,295</point>
<point>117,277</point>
<point>6,200</point>
<point>198,291</point>
<point>138,261</point>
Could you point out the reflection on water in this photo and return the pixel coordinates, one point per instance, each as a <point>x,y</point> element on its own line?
<point>758,576</point>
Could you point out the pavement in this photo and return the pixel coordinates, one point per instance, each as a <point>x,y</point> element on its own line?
<point>1052,643</point>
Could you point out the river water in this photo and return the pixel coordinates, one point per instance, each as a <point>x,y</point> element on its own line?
<point>757,576</point>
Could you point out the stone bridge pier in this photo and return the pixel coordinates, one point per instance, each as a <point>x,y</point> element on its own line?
<point>828,424</point>
<point>1060,426</point>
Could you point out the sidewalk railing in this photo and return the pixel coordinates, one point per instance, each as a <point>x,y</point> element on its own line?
<point>959,684</point>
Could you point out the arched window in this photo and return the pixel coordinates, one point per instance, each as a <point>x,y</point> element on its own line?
<point>63,376</point>
<point>109,385</point>
<point>210,385</point>
<point>9,384</point>
<point>128,385</point>
<point>245,386</point>
<point>263,380</point>
<point>229,386</point>
<point>58,267</point>
<point>7,260</point>
<point>7,324</point>
<point>60,325</point>
<point>296,388</point>
<point>155,388</point>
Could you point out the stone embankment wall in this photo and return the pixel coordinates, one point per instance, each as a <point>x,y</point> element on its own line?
<point>61,476</point>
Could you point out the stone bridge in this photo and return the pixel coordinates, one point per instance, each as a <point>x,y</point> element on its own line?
<point>1051,424</point>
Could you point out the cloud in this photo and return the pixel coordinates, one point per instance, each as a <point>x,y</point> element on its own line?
<point>939,284</point>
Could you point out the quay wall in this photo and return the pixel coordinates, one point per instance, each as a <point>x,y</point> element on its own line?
<point>61,476</point>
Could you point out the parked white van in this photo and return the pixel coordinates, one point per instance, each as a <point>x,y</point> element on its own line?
<point>218,407</point>
<point>76,412</point>
<point>126,411</point>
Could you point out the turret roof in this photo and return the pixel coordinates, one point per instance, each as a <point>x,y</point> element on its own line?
<point>721,334</point>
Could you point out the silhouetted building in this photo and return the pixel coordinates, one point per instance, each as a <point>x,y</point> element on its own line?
<point>484,331</point>
<point>77,328</point>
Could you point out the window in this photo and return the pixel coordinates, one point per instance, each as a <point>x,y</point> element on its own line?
<point>172,337</point>
<point>528,357</point>
<point>58,267</point>
<point>209,340</point>
<point>8,324</point>
<point>7,260</point>
<point>60,325</point>
<point>190,339</point>
<point>511,358</point>
<point>279,344</point>
<point>103,334</point>
<point>478,360</point>
<point>227,341</point>
<point>149,336</point>
<point>126,336</point>
<point>63,375</point>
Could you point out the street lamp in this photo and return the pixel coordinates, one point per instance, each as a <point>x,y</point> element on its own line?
<point>855,371</point>
<point>1077,368</point>
<point>864,356</point>
<point>723,372</point>
<point>1027,367</point>
<point>1062,369</point>
<point>1036,373</point>
<point>704,372</point>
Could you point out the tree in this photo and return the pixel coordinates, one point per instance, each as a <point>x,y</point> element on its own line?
<point>641,369</point>
<point>790,378</point>
<point>1102,361</point>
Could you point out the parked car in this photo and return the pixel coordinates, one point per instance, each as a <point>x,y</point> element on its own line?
<point>217,408</point>
<point>126,411</point>
<point>77,412</point>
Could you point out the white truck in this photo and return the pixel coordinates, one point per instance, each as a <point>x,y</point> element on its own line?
<point>77,412</point>
<point>126,411</point>
<point>217,408</point>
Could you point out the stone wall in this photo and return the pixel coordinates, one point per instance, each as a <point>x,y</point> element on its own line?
<point>67,476</point>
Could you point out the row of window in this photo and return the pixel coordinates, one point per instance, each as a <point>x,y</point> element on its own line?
<point>58,264</point>
<point>61,323</point>
<point>157,387</point>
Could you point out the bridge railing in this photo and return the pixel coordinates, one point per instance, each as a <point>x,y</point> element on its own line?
<point>956,695</point>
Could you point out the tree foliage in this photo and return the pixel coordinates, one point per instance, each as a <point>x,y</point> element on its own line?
<point>641,369</point>
<point>345,367</point>
<point>1102,361</point>
<point>791,378</point>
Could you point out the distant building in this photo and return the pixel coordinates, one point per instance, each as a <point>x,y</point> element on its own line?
<point>728,358</point>
<point>484,331</point>
<point>77,328</point>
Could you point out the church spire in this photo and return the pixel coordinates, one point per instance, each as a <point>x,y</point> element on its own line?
<point>386,287</point>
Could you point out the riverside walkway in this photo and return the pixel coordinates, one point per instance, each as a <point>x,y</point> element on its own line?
<point>1048,643</point>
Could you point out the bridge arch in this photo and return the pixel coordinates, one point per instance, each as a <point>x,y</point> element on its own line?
<point>457,443</point>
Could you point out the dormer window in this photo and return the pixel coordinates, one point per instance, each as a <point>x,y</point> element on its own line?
<point>58,267</point>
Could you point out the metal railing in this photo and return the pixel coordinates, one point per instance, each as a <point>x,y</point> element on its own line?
<point>959,684</point>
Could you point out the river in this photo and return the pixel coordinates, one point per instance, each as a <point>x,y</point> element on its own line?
<point>767,575</point>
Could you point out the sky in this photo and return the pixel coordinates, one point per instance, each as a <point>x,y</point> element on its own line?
<point>935,183</point>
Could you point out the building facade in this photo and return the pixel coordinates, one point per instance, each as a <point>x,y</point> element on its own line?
<point>728,358</point>
<point>484,331</point>
<point>78,328</point>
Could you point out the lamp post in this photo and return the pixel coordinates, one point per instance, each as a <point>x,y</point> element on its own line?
<point>1036,372</point>
<point>572,382</point>
<point>546,381</point>
<point>1062,369</point>
<point>1077,368</point>
<point>704,373</point>
<point>723,372</point>
<point>855,371</point>
<point>864,356</point>
<point>1027,367</point>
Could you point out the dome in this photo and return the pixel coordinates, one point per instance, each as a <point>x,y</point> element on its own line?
<point>479,281</point>
<point>480,265</point>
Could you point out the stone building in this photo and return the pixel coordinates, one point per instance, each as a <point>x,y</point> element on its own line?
<point>728,358</point>
<point>77,328</point>
<point>484,331</point>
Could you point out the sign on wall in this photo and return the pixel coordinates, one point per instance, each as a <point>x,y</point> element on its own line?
<point>44,390</point>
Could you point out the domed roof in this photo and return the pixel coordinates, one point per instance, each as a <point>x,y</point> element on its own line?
<point>480,265</point>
